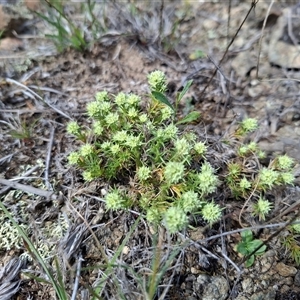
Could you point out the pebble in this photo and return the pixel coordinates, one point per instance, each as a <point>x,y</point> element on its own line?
<point>285,270</point>
<point>213,287</point>
<point>297,279</point>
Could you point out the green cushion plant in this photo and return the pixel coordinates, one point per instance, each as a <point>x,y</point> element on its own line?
<point>153,164</point>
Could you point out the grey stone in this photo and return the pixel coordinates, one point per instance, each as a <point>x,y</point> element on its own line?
<point>212,287</point>
<point>297,279</point>
<point>264,296</point>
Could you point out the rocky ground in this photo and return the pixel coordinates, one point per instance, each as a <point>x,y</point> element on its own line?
<point>41,90</point>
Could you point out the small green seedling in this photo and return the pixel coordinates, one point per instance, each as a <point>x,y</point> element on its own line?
<point>248,245</point>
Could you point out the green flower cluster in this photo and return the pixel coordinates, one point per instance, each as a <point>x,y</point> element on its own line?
<point>248,125</point>
<point>246,174</point>
<point>151,162</point>
<point>242,180</point>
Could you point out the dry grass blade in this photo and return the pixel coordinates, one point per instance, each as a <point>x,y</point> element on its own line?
<point>8,289</point>
<point>72,241</point>
<point>29,189</point>
<point>11,270</point>
<point>9,278</point>
<point>58,287</point>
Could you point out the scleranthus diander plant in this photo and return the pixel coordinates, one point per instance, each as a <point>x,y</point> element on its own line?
<point>140,148</point>
<point>144,146</point>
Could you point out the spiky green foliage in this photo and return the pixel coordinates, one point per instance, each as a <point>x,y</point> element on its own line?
<point>155,166</point>
<point>146,145</point>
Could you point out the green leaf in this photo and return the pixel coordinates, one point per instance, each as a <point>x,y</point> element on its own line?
<point>192,116</point>
<point>261,250</point>
<point>184,91</point>
<point>255,244</point>
<point>162,98</point>
<point>249,261</point>
<point>247,235</point>
<point>242,248</point>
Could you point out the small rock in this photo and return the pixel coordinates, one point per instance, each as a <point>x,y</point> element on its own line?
<point>32,5</point>
<point>285,270</point>
<point>125,250</point>
<point>269,253</point>
<point>264,296</point>
<point>285,289</point>
<point>195,271</point>
<point>241,298</point>
<point>247,285</point>
<point>212,287</point>
<point>283,47</point>
<point>297,279</point>
<point>243,63</point>
<point>271,147</point>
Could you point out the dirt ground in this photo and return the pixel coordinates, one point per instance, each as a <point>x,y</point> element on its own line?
<point>41,90</point>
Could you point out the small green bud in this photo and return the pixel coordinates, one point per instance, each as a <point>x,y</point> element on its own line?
<point>268,177</point>
<point>132,112</point>
<point>166,113</point>
<point>170,131</point>
<point>200,148</point>
<point>120,136</point>
<point>88,176</point>
<point>234,170</point>
<point>115,149</point>
<point>261,208</point>
<point>115,201</point>
<point>73,158</point>
<point>207,180</point>
<point>211,212</point>
<point>284,162</point>
<point>121,99</point>
<point>93,109</point>
<point>296,227</point>
<point>143,118</point>
<point>153,215</point>
<point>150,126</point>
<point>73,128</point>
<point>86,150</point>
<point>261,154</point>
<point>157,81</point>
<point>182,147</point>
<point>111,118</point>
<point>245,184</point>
<point>174,172</point>
<point>102,96</point>
<point>249,125</point>
<point>175,219</point>
<point>143,173</point>
<point>106,145</point>
<point>133,141</point>
<point>98,128</point>
<point>189,201</point>
<point>132,100</point>
<point>160,134</point>
<point>287,178</point>
<point>243,150</point>
<point>252,146</point>
<point>191,137</point>
<point>105,107</point>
